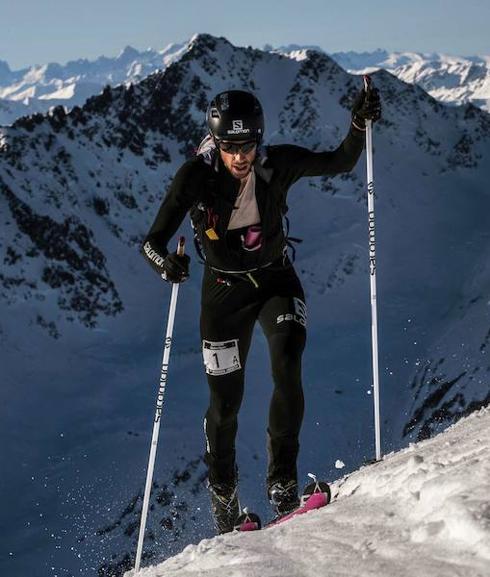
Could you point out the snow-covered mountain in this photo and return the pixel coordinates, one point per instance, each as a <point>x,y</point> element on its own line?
<point>83,315</point>
<point>449,79</point>
<point>41,87</point>
<point>422,511</point>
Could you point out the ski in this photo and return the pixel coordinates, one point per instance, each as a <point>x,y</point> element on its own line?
<point>315,496</point>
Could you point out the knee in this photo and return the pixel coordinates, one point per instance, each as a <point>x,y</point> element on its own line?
<point>223,411</point>
<point>286,354</point>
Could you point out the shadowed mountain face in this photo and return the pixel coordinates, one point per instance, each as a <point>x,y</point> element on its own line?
<point>83,316</point>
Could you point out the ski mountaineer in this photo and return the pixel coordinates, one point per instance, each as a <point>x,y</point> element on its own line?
<point>235,190</point>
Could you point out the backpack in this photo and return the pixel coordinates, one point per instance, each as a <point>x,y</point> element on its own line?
<point>203,220</point>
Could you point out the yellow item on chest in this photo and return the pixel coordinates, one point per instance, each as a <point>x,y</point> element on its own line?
<point>211,234</point>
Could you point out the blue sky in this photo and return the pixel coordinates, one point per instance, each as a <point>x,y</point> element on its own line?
<point>40,31</point>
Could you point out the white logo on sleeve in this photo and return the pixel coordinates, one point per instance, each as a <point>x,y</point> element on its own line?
<point>221,358</point>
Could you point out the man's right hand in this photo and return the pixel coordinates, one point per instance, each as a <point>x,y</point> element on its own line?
<point>176,268</point>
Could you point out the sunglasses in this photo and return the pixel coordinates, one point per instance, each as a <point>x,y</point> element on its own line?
<point>236,147</point>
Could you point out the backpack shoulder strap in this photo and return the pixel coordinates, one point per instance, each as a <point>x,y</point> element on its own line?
<point>207,150</point>
<point>260,165</point>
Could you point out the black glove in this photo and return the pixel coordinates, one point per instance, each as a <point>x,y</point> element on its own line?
<point>367,106</point>
<point>176,268</point>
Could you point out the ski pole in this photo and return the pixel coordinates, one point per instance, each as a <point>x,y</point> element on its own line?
<point>372,268</point>
<point>158,411</point>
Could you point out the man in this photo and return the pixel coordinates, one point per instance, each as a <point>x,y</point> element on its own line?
<point>236,193</point>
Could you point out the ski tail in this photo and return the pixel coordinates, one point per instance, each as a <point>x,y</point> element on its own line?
<point>316,495</point>
<point>248,522</point>
<point>316,488</point>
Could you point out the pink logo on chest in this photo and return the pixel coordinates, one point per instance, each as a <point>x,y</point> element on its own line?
<point>252,240</point>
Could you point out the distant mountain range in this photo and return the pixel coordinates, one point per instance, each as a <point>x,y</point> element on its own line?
<point>39,88</point>
<point>450,79</point>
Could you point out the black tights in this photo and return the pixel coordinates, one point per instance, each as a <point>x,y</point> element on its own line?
<point>228,316</point>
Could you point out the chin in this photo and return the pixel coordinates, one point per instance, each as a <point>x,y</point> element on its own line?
<point>240,173</point>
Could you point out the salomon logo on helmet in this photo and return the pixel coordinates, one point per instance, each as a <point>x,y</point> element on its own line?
<point>234,114</point>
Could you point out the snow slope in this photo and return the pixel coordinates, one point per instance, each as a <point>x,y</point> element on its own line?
<point>424,511</point>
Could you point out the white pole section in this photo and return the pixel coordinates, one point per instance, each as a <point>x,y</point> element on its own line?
<point>372,268</point>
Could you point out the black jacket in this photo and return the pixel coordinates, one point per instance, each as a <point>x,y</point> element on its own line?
<point>205,187</point>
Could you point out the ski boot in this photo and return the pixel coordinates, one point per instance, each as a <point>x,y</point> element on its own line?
<point>225,506</point>
<point>283,496</point>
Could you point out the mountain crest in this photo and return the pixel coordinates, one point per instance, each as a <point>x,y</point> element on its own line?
<point>128,53</point>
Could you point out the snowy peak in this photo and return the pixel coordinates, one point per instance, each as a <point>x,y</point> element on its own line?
<point>128,53</point>
<point>450,79</point>
<point>382,59</point>
<point>287,49</point>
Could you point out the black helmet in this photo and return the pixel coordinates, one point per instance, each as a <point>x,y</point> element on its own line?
<point>235,115</point>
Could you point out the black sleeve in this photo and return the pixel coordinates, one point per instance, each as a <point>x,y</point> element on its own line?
<point>298,162</point>
<point>182,194</point>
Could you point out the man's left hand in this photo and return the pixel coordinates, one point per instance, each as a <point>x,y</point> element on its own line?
<point>367,106</point>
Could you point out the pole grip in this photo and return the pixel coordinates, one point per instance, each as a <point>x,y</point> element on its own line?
<point>367,82</point>
<point>181,246</point>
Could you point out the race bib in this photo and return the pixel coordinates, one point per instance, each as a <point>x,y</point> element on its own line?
<point>221,358</point>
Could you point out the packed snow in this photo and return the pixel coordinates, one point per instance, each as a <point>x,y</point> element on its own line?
<point>424,511</point>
